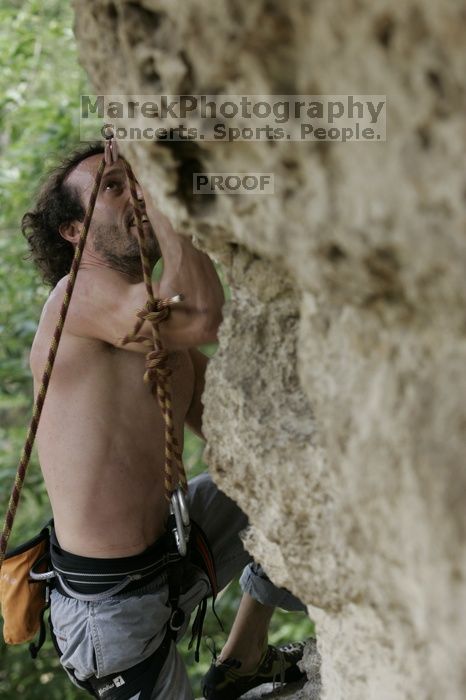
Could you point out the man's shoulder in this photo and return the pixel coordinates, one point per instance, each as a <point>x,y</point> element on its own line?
<point>52,308</point>
<point>94,292</point>
<point>78,310</point>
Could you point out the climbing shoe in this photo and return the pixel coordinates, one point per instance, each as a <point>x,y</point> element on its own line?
<point>225,681</point>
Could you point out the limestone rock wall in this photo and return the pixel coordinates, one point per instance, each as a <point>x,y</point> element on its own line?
<point>335,407</point>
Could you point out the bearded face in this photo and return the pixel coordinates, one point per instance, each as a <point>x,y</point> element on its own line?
<point>113,230</point>
<point>119,245</point>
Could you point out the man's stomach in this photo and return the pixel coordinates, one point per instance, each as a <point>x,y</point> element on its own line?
<point>107,508</point>
<point>101,446</point>
<point>95,527</point>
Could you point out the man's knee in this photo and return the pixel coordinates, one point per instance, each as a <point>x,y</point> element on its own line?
<point>257,584</point>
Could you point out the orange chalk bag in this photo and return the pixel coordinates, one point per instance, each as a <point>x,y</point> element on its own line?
<point>24,591</point>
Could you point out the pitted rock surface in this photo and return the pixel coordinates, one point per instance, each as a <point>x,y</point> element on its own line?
<point>335,409</point>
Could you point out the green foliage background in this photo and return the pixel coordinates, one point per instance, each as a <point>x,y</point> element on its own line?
<point>40,84</point>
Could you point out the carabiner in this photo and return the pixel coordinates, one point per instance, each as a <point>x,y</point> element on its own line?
<point>111,146</point>
<point>179,508</point>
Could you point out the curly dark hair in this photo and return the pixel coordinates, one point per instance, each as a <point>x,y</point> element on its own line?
<point>57,203</point>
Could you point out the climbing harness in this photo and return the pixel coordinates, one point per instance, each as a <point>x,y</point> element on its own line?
<point>157,375</point>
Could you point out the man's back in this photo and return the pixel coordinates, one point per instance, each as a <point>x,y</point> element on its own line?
<point>101,440</point>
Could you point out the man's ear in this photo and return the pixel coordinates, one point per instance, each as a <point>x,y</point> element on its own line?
<point>71,232</point>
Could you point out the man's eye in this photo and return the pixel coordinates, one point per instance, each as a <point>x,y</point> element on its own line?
<point>113,185</point>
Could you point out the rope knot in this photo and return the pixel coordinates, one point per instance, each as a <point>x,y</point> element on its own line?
<point>153,312</point>
<point>156,365</point>
<point>156,310</point>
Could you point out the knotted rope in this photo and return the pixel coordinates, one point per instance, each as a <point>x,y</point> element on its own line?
<point>157,372</point>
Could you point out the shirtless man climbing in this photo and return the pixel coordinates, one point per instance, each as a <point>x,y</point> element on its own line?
<point>101,449</point>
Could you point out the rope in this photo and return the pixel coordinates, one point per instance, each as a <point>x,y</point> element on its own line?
<point>157,371</point>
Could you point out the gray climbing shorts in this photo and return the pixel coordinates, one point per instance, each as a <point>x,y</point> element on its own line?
<point>116,633</point>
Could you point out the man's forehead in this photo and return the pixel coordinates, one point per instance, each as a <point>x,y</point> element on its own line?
<point>84,173</point>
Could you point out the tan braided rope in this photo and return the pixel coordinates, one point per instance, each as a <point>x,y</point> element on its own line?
<point>158,372</point>
<point>39,402</point>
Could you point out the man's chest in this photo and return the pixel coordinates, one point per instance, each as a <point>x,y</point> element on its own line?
<point>144,381</point>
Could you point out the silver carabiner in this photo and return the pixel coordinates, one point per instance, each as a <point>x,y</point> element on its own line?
<point>179,508</point>
<point>183,507</point>
<point>111,146</point>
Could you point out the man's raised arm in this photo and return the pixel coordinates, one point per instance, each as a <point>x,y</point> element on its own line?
<point>106,304</point>
<point>187,271</point>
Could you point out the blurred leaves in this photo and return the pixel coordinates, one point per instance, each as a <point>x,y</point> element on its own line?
<point>40,84</point>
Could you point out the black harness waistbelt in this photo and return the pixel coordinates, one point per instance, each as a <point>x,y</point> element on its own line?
<point>91,575</point>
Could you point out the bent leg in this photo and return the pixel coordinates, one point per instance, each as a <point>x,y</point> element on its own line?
<point>248,638</point>
<point>249,635</point>
<point>222,520</point>
<point>255,582</point>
